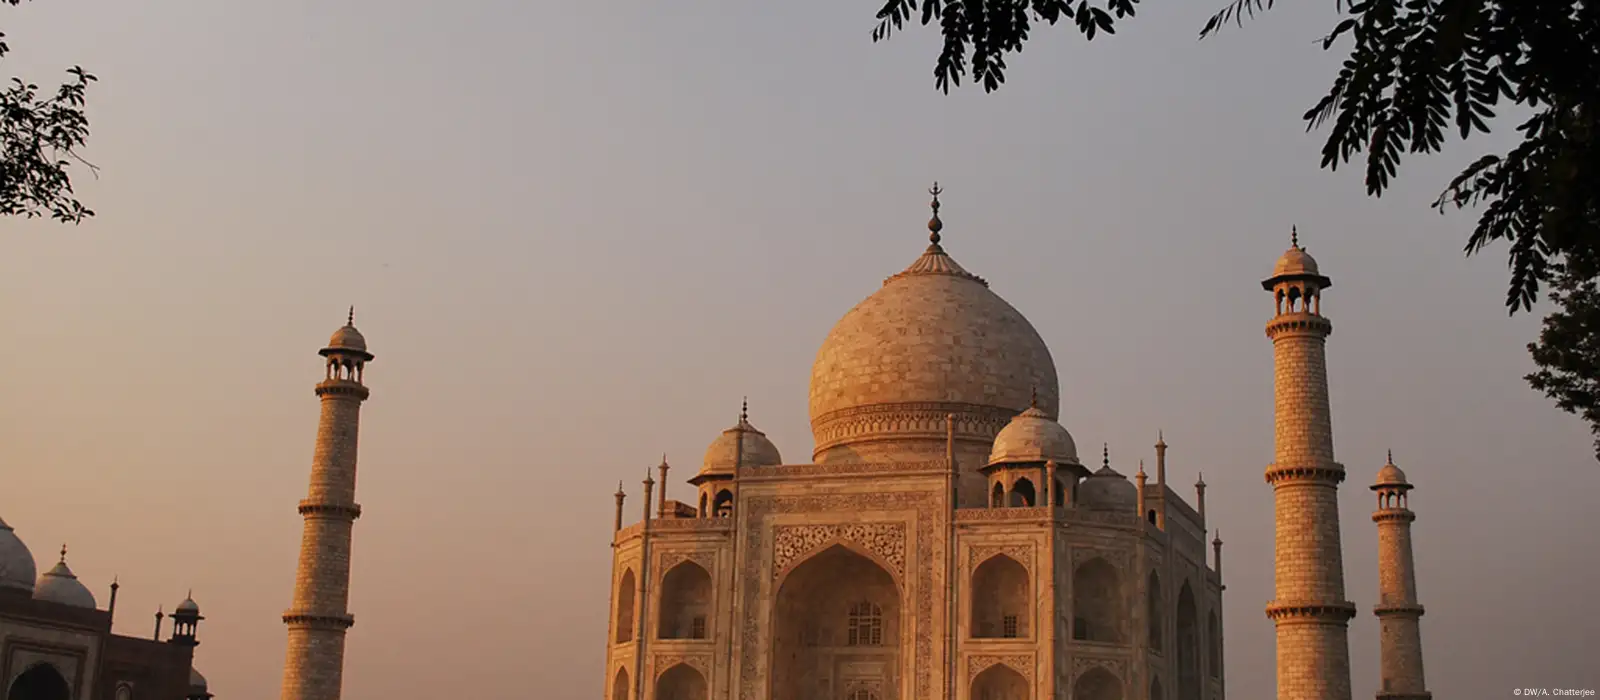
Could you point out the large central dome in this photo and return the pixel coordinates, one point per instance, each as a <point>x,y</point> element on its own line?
<point>933,341</point>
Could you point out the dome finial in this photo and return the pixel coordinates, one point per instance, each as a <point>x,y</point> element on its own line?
<point>744,411</point>
<point>1033,400</point>
<point>1391,456</point>
<point>1105,455</point>
<point>63,553</point>
<point>934,224</point>
<point>350,320</point>
<point>1294,236</point>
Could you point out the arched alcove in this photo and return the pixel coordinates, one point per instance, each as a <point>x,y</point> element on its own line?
<point>722,506</point>
<point>685,602</point>
<point>1000,682</point>
<point>1098,612</point>
<point>997,497</point>
<point>1155,614</point>
<point>1188,645</point>
<point>1022,493</point>
<point>41,682</point>
<point>681,682</point>
<point>836,608</point>
<point>1156,691</point>
<point>1000,602</point>
<point>1097,684</point>
<point>619,687</point>
<point>625,607</point>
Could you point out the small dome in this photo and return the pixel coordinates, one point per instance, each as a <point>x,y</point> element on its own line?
<point>1390,475</point>
<point>1108,490</point>
<point>1295,261</point>
<point>1033,437</point>
<point>348,338</point>
<point>187,607</point>
<point>16,562</point>
<point>197,682</point>
<point>724,451</point>
<point>59,585</point>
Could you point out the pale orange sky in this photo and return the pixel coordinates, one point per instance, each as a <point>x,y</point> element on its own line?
<point>576,234</point>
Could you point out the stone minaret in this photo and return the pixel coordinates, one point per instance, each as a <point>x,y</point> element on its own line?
<point>318,621</point>
<point>1309,607</point>
<point>1400,634</point>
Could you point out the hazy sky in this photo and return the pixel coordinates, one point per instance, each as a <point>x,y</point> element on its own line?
<point>577,233</point>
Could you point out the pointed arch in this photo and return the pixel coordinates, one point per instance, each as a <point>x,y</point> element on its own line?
<point>681,682</point>
<point>40,682</point>
<point>997,496</point>
<point>619,685</point>
<point>1155,613</point>
<point>1188,644</point>
<point>1097,684</point>
<point>1000,682</point>
<point>1098,608</point>
<point>1000,599</point>
<point>685,602</point>
<point>836,605</point>
<point>625,606</point>
<point>722,505</point>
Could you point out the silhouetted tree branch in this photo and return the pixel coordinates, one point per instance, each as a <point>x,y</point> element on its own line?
<point>39,138</point>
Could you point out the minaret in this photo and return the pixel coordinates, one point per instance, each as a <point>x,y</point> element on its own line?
<point>320,616</point>
<point>1398,613</point>
<point>1309,607</point>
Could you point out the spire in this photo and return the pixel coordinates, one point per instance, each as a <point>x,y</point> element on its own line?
<point>1391,457</point>
<point>1033,399</point>
<point>1294,237</point>
<point>1200,482</point>
<point>1105,455</point>
<point>934,224</point>
<point>1161,439</point>
<point>350,320</point>
<point>63,553</point>
<point>1140,474</point>
<point>744,411</point>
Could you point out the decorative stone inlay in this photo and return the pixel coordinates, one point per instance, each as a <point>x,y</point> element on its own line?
<point>1021,663</point>
<point>1040,513</point>
<point>903,419</point>
<point>668,559</point>
<point>664,662</point>
<point>842,468</point>
<point>1084,664</point>
<point>887,541</point>
<point>1022,552</point>
<point>930,509</point>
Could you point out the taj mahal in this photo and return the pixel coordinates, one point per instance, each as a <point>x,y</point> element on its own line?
<point>949,539</point>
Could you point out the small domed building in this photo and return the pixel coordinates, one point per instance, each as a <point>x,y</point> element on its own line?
<point>57,644</point>
<point>945,540</point>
